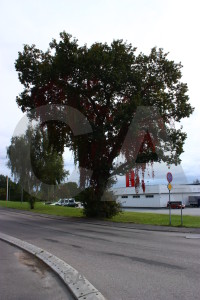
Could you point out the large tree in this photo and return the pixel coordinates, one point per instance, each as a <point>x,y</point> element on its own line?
<point>107,84</point>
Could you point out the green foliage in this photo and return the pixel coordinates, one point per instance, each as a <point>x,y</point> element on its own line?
<point>18,154</point>
<point>68,190</point>
<point>107,207</point>
<point>106,83</point>
<point>3,185</point>
<point>14,190</point>
<point>2,193</point>
<point>35,164</point>
<point>3,181</point>
<point>47,164</point>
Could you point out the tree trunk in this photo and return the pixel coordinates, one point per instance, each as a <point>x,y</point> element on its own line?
<point>32,202</point>
<point>22,190</point>
<point>95,204</point>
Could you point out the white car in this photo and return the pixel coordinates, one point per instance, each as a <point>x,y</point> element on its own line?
<point>66,202</point>
<point>58,203</point>
<point>70,202</point>
<point>79,204</point>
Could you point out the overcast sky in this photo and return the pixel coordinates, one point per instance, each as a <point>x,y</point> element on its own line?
<point>171,25</point>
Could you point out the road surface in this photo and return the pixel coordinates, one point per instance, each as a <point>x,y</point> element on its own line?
<point>122,263</point>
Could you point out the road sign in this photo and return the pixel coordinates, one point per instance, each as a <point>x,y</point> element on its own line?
<point>169,186</point>
<point>169,177</point>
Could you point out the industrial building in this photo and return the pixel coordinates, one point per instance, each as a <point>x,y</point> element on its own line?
<point>155,196</point>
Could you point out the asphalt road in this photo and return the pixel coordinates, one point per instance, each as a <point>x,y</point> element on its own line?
<point>23,276</point>
<point>122,263</point>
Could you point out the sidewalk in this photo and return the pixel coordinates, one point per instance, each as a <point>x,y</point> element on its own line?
<point>23,277</point>
<point>109,223</point>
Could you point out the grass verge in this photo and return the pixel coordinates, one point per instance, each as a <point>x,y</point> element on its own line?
<point>157,219</point>
<point>44,209</point>
<point>125,217</point>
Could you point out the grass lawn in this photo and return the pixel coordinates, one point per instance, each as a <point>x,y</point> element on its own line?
<point>132,217</point>
<point>45,209</point>
<point>157,219</point>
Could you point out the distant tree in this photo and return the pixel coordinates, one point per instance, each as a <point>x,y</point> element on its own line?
<point>106,83</point>
<point>68,190</point>
<point>34,163</point>
<point>196,181</point>
<point>3,181</point>
<point>14,191</point>
<point>3,187</point>
<point>18,155</point>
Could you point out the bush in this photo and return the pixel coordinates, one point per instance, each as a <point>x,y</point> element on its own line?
<point>106,207</point>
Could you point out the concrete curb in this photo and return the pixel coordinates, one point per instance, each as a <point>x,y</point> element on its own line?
<point>79,286</point>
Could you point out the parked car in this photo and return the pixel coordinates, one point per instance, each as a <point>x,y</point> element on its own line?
<point>79,204</point>
<point>176,204</point>
<point>58,203</point>
<point>194,201</point>
<point>70,202</point>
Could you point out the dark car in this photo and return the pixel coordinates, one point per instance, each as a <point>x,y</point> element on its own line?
<point>177,204</point>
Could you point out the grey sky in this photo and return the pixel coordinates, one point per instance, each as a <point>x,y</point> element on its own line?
<point>172,25</point>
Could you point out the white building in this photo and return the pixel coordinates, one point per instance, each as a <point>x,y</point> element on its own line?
<point>155,195</point>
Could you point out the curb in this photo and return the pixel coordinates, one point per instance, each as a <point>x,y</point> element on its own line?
<point>79,286</point>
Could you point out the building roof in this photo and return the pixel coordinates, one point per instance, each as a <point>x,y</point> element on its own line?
<point>158,189</point>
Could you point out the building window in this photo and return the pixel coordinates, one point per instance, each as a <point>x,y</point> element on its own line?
<point>149,196</point>
<point>136,196</point>
<point>124,196</point>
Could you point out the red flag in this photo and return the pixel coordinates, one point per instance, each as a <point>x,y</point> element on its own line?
<point>127,180</point>
<point>132,178</point>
